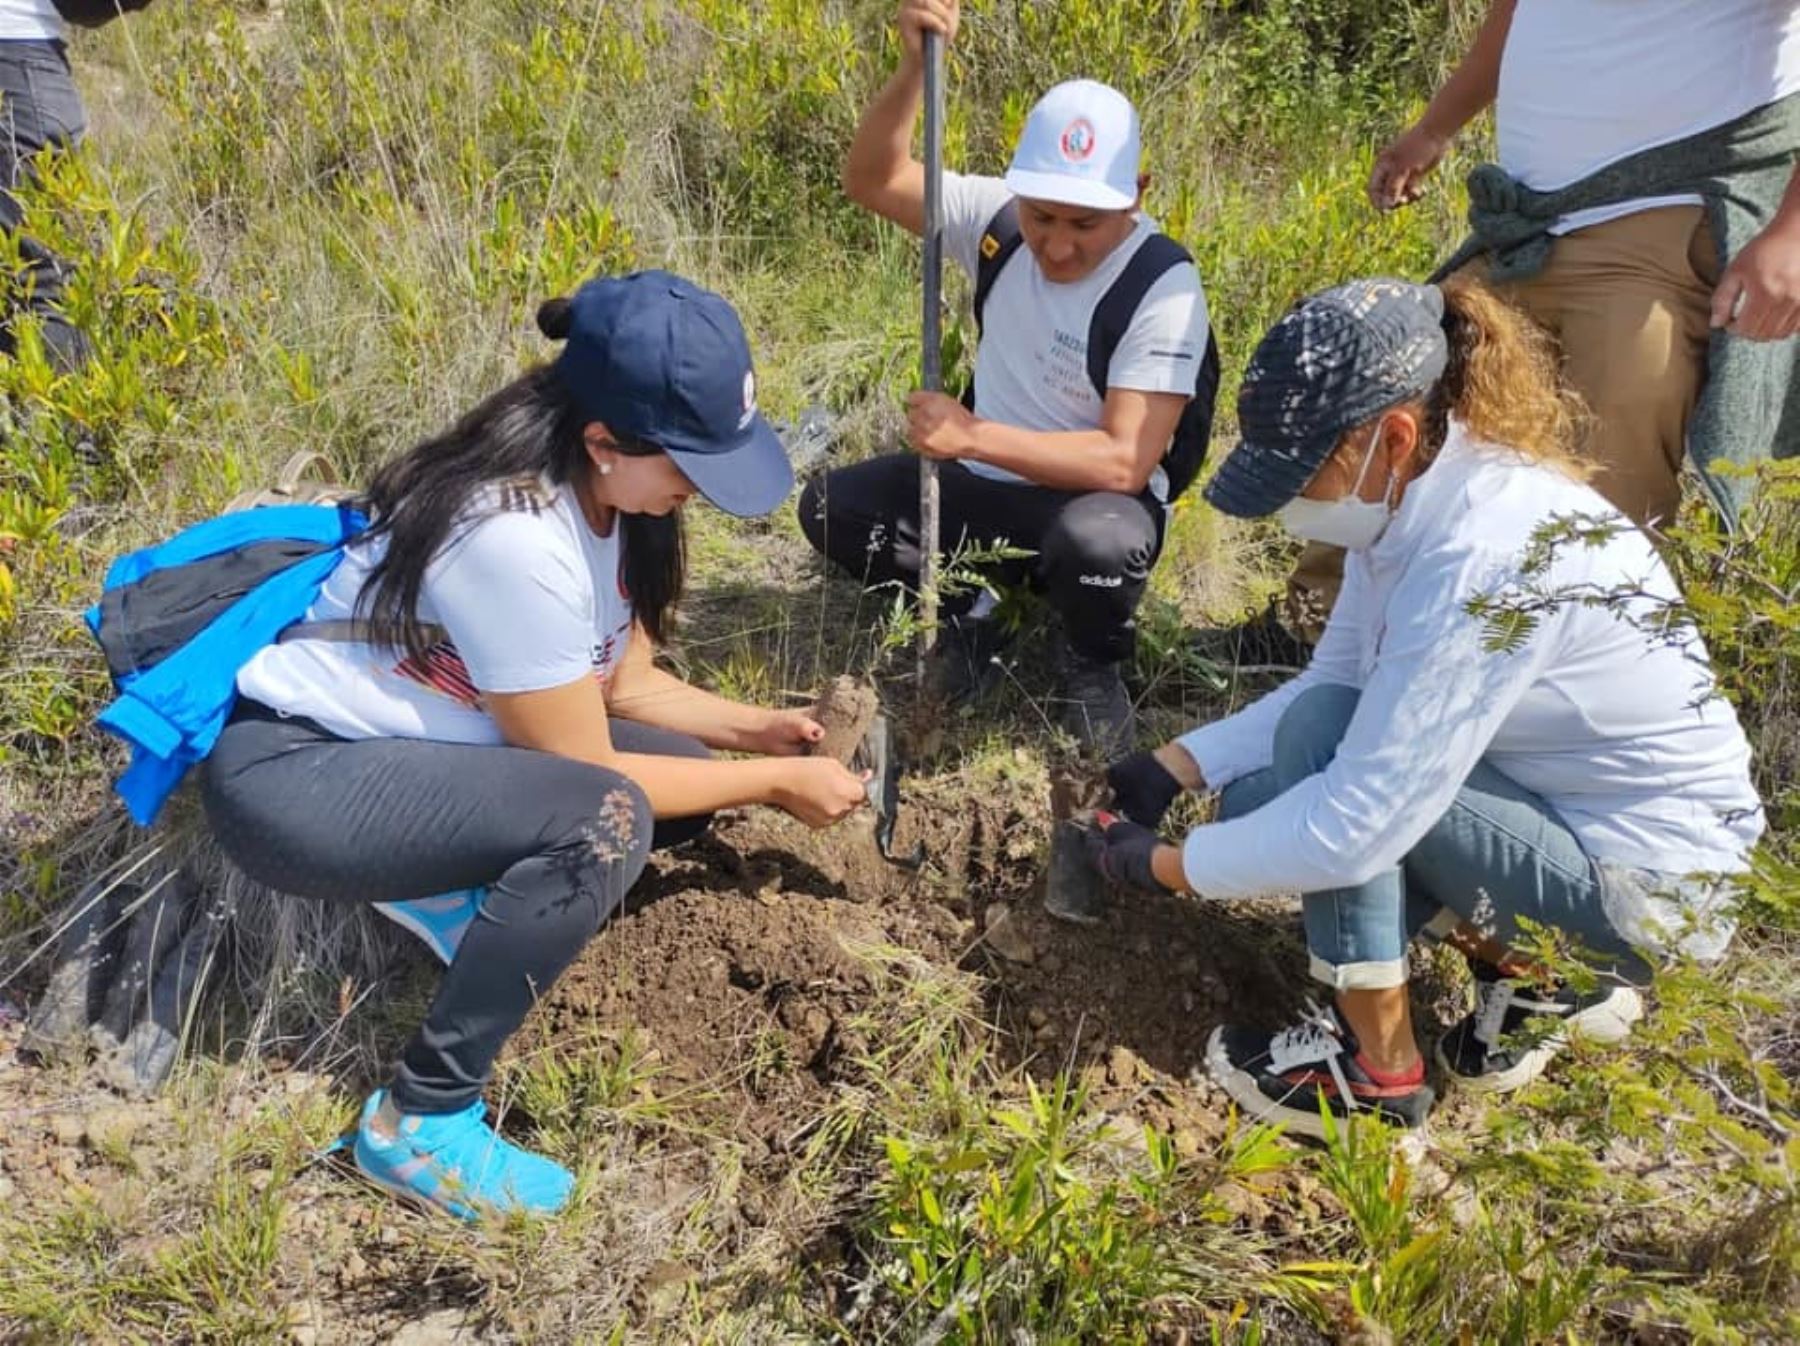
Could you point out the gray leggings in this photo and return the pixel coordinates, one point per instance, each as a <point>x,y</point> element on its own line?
<point>557,843</point>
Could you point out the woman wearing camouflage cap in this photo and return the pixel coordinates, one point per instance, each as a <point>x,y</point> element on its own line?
<point>1420,776</point>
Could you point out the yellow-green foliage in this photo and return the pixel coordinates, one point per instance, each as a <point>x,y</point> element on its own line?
<point>326,225</point>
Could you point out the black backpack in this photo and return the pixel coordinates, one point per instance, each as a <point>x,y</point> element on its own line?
<point>1112,318</point>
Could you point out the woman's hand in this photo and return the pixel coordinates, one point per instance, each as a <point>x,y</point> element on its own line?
<point>1125,853</point>
<point>786,733</point>
<point>820,791</point>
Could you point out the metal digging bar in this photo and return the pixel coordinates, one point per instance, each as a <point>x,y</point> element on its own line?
<point>878,752</point>
<point>931,370</point>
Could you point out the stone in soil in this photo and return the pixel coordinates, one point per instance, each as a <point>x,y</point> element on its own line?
<point>1006,935</point>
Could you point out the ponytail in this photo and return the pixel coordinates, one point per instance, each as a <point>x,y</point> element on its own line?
<point>1504,383</point>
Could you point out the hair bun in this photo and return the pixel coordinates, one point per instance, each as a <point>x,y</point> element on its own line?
<point>555,318</point>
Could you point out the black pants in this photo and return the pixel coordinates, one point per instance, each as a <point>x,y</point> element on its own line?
<point>39,110</point>
<point>1092,551</point>
<point>558,843</point>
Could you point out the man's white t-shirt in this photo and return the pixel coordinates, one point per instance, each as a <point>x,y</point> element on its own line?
<point>1585,83</point>
<point>528,595</point>
<point>1031,364</point>
<point>29,20</point>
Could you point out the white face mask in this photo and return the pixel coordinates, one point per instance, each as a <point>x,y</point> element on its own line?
<point>1352,522</point>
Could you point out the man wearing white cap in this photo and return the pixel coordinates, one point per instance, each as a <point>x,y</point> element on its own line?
<point>1084,422</point>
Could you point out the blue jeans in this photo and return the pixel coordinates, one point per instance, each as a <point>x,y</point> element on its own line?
<point>1499,853</point>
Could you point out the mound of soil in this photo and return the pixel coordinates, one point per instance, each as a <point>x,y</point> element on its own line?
<point>737,960</point>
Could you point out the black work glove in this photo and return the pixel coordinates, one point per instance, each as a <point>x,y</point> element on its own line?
<point>1120,851</point>
<point>1142,788</point>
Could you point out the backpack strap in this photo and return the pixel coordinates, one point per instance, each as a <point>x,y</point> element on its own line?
<point>1155,258</point>
<point>999,241</point>
<point>292,486</point>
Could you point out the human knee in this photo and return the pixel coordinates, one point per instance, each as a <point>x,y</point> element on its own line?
<point>814,506</point>
<point>1102,536</point>
<point>596,857</point>
<point>1307,737</point>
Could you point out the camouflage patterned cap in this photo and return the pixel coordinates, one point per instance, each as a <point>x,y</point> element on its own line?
<point>1335,360</point>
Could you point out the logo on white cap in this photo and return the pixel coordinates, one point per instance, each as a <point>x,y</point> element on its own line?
<point>749,399</point>
<point>1078,140</point>
<point>1080,146</point>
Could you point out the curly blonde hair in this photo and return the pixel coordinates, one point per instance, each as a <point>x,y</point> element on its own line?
<point>1504,383</point>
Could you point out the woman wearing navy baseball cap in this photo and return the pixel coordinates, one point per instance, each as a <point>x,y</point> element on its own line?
<point>1419,776</point>
<point>471,707</point>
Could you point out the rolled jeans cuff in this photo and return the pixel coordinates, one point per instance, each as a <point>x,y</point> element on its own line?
<point>1366,976</point>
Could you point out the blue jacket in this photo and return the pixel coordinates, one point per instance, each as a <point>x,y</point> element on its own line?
<point>236,596</point>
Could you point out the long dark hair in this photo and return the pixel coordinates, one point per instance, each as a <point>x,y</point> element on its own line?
<point>530,428</point>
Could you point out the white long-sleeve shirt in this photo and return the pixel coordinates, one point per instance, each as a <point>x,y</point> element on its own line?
<point>1619,731</point>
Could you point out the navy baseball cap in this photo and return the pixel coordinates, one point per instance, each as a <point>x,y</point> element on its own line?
<point>1335,360</point>
<point>657,358</point>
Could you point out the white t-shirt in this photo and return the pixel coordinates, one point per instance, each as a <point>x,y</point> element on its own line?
<point>1585,83</point>
<point>530,598</point>
<point>33,20</point>
<point>1031,364</point>
<point>1621,732</point>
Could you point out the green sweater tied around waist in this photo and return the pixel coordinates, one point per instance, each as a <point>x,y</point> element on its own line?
<point>1749,408</point>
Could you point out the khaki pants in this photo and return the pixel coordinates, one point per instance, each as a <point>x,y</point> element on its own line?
<point>1628,302</point>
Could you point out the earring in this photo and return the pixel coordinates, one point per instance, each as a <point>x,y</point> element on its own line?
<point>605,468</point>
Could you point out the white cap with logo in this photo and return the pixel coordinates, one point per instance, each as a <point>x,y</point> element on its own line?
<point>1080,147</point>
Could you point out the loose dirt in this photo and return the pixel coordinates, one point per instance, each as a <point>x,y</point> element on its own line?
<point>747,966</point>
<point>741,961</point>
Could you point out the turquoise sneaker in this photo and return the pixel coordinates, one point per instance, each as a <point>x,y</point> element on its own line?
<point>440,921</point>
<point>455,1162</point>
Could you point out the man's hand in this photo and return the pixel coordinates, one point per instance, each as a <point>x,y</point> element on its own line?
<point>1401,169</point>
<point>939,426</point>
<point>1758,297</point>
<point>918,17</point>
<point>1123,852</point>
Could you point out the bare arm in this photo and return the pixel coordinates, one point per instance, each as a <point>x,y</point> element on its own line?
<point>570,721</point>
<point>1135,429</point>
<point>1401,168</point>
<point>1474,84</point>
<point>880,173</point>
<point>650,695</point>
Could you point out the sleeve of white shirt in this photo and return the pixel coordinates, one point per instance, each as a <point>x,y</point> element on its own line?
<point>1162,349</point>
<point>514,598</point>
<point>970,201</point>
<point>1243,743</point>
<point>1433,703</point>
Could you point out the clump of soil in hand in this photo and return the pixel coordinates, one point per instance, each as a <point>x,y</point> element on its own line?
<point>845,710</point>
